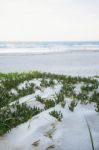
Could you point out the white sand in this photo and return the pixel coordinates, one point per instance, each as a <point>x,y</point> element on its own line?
<point>73,63</point>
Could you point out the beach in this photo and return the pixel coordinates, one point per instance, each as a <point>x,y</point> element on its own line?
<point>43,131</point>
<point>80,63</point>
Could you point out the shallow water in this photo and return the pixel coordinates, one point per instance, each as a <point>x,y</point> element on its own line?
<point>39,47</point>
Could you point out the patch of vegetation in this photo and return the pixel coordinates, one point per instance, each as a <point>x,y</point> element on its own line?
<point>12,116</point>
<point>68,89</point>
<point>36,143</point>
<point>50,147</point>
<point>72,105</point>
<point>95,97</point>
<point>57,115</point>
<point>39,99</point>
<point>97,106</point>
<point>82,97</point>
<point>49,103</point>
<point>87,88</point>
<point>28,89</point>
<point>60,98</point>
<point>6,97</point>
<point>47,82</point>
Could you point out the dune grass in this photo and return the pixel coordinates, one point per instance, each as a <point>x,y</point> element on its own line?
<point>13,115</point>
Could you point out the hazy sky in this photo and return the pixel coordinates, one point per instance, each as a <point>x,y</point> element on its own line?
<point>31,20</point>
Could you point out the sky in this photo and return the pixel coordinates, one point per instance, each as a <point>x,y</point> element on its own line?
<point>49,20</point>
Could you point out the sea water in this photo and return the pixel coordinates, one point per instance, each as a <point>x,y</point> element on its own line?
<point>41,47</point>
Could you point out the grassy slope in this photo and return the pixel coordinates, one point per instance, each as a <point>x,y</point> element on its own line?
<point>13,114</point>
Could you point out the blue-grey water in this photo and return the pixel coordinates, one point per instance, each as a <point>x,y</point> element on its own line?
<point>51,46</point>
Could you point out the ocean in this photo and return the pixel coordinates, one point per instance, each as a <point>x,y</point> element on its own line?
<point>40,47</point>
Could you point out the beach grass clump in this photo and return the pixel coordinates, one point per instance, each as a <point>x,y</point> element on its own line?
<point>6,97</point>
<point>82,97</point>
<point>57,114</point>
<point>39,99</point>
<point>36,143</point>
<point>50,147</point>
<point>94,97</point>
<point>12,80</point>
<point>47,82</point>
<point>97,106</point>
<point>88,88</point>
<point>49,103</point>
<point>14,115</point>
<point>68,89</point>
<point>72,106</point>
<point>28,89</point>
<point>63,104</point>
<point>59,98</point>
